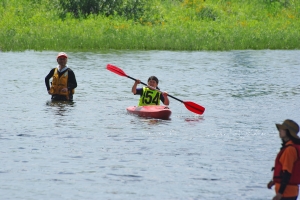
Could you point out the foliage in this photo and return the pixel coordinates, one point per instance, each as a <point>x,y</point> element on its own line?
<point>130,9</point>
<point>156,24</point>
<point>285,3</point>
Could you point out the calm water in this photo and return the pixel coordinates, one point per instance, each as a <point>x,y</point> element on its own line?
<point>93,149</point>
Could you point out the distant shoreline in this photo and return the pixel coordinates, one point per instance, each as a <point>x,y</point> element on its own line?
<point>232,26</point>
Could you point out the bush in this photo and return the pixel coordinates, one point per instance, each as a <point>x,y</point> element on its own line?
<point>130,9</point>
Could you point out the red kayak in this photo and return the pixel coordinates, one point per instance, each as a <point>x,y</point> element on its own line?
<point>158,112</point>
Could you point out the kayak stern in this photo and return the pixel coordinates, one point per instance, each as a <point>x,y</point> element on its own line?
<point>157,112</point>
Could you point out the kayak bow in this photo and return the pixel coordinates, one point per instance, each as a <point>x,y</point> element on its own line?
<point>157,112</point>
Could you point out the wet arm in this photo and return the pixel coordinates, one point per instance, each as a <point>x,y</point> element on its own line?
<point>133,89</point>
<point>72,83</point>
<point>284,181</point>
<point>167,102</point>
<point>47,78</point>
<point>165,98</point>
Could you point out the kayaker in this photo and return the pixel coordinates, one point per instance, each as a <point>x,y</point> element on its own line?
<point>150,95</point>
<point>286,176</point>
<point>63,80</point>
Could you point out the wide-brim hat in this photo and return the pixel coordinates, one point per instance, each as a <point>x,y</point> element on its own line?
<point>62,54</point>
<point>290,125</point>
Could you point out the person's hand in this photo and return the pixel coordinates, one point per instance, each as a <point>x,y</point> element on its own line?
<point>278,196</point>
<point>165,94</point>
<point>270,184</point>
<point>137,81</point>
<point>64,90</point>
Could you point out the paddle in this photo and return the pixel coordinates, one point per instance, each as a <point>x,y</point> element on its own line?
<point>191,106</point>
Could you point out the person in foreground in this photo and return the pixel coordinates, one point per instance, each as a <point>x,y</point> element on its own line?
<point>286,177</point>
<point>149,95</point>
<point>63,80</point>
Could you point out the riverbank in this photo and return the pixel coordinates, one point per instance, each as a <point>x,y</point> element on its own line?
<point>187,25</point>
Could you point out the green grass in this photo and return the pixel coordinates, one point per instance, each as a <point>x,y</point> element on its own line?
<point>171,25</point>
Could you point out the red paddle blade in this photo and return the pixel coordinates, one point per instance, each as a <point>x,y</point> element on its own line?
<point>115,70</point>
<point>193,107</point>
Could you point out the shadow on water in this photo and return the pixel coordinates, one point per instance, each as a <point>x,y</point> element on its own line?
<point>61,106</point>
<point>149,121</point>
<point>199,118</point>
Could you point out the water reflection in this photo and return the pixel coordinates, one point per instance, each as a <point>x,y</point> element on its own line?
<point>149,121</point>
<point>194,118</point>
<point>244,93</point>
<point>61,107</point>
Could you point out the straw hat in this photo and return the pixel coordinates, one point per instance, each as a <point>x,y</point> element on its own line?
<point>290,125</point>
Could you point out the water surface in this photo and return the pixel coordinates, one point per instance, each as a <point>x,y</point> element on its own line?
<point>93,149</point>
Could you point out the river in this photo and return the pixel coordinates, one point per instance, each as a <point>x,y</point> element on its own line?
<point>92,149</point>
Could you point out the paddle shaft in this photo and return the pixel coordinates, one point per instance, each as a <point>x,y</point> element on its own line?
<point>155,89</point>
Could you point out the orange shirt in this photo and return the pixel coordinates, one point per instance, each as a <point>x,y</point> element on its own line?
<point>287,159</point>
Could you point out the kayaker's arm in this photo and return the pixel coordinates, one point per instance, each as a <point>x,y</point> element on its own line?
<point>133,89</point>
<point>166,101</point>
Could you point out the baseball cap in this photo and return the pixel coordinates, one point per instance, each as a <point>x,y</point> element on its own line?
<point>62,54</point>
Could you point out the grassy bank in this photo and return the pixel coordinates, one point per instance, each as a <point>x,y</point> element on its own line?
<point>180,25</point>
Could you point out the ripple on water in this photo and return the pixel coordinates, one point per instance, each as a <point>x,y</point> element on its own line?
<point>92,148</point>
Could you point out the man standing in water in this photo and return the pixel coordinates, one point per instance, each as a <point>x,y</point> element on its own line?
<point>286,176</point>
<point>63,80</point>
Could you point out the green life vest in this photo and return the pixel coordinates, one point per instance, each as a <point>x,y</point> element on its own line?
<point>149,97</point>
